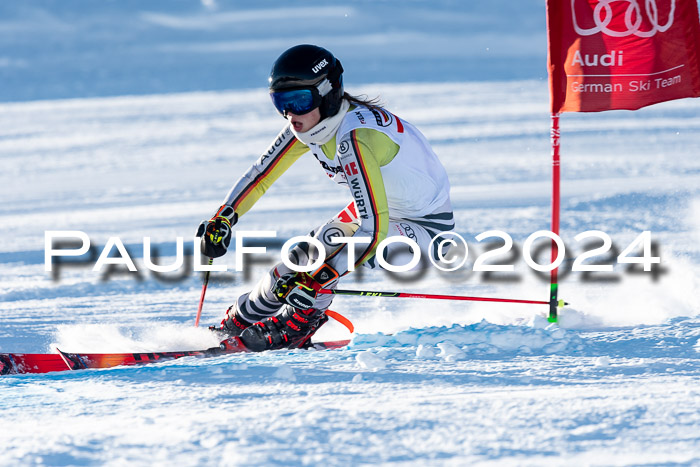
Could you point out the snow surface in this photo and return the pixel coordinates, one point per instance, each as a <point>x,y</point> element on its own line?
<point>423,382</point>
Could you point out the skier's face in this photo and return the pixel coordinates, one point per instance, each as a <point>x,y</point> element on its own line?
<point>303,123</point>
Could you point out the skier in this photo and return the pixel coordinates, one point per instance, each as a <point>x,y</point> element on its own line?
<point>399,188</point>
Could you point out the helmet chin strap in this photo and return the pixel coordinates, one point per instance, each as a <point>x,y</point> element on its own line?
<point>324,130</point>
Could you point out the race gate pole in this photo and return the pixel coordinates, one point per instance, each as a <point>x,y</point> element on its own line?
<point>556,161</point>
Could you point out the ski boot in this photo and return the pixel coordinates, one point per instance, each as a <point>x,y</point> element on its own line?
<point>232,325</point>
<point>291,329</point>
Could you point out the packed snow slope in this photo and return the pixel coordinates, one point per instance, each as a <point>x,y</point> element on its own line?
<point>423,382</point>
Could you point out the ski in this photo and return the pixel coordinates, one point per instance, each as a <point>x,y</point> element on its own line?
<point>63,361</point>
<point>78,361</point>
<point>19,363</point>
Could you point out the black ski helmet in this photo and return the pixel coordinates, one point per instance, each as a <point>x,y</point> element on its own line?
<point>305,66</point>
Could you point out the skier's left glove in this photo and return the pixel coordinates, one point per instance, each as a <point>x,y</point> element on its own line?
<point>216,232</point>
<point>300,289</point>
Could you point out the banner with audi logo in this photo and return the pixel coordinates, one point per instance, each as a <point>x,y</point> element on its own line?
<point>622,54</point>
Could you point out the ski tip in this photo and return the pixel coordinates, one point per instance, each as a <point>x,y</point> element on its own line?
<point>6,366</point>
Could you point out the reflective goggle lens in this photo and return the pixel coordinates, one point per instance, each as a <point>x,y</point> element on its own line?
<point>297,101</point>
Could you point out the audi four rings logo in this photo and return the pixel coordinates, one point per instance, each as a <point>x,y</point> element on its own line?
<point>603,16</point>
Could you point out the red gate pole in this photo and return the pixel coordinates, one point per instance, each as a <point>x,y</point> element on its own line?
<point>554,286</point>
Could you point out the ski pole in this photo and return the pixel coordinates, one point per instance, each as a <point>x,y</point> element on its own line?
<point>201,297</point>
<point>206,276</point>
<point>368,293</point>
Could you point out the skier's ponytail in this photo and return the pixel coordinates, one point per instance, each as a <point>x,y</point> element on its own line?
<point>363,100</point>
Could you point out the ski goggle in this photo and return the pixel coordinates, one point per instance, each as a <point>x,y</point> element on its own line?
<point>297,101</point>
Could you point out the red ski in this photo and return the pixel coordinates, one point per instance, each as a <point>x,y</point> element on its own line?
<point>63,361</point>
<point>16,363</point>
<point>77,361</point>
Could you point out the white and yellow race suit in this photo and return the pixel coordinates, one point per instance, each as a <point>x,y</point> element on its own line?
<point>398,185</point>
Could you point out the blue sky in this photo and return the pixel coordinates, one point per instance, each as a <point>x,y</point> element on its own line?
<point>78,48</point>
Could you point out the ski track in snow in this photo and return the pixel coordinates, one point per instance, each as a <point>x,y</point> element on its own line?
<point>437,383</point>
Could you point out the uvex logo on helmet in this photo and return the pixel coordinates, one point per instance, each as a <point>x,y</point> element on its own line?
<point>320,65</point>
<point>628,24</point>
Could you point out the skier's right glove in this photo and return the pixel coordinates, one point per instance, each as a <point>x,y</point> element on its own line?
<point>216,232</point>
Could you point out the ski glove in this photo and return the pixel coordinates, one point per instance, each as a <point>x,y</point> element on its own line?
<point>297,289</point>
<point>216,232</point>
<point>300,289</point>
